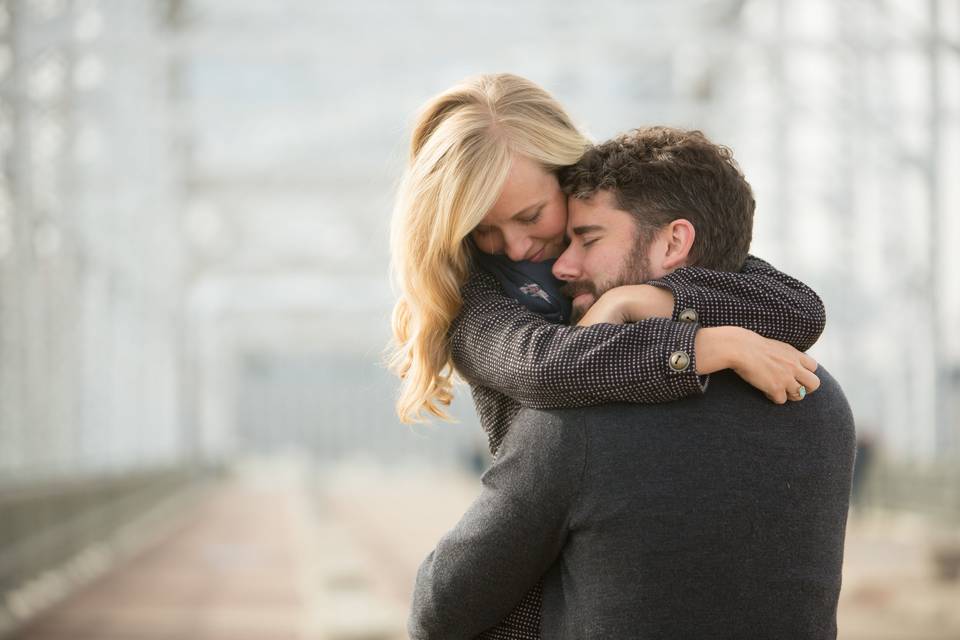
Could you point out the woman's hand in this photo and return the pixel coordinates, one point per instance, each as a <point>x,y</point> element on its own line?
<point>629,303</point>
<point>773,367</point>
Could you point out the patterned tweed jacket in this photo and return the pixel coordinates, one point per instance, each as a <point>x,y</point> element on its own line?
<point>513,358</point>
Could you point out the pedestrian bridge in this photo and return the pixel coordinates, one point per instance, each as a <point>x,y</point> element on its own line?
<point>270,549</point>
<point>282,549</point>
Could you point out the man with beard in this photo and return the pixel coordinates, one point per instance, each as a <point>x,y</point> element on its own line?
<point>717,516</point>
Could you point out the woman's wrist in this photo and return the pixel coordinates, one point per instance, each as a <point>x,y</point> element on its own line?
<point>630,303</point>
<point>638,302</point>
<point>719,348</point>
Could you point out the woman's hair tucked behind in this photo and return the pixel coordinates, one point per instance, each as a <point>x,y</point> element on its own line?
<point>460,154</point>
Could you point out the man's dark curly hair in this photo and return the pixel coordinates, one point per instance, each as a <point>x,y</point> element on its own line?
<point>661,174</point>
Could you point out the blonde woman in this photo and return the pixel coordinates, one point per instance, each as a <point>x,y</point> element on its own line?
<point>479,220</point>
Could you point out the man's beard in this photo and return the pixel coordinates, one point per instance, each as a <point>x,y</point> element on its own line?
<point>636,270</point>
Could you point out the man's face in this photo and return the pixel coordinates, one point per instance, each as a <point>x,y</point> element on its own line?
<point>605,252</point>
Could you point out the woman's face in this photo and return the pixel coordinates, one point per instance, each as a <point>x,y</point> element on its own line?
<point>528,220</point>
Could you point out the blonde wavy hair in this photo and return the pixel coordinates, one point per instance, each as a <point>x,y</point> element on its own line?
<point>461,150</point>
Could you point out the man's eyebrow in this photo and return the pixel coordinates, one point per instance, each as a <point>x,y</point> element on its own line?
<point>586,228</point>
<point>528,209</point>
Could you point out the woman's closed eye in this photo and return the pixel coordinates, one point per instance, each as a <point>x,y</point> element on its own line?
<point>533,218</point>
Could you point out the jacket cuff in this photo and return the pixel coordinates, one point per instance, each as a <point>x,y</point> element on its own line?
<point>679,359</point>
<point>688,303</point>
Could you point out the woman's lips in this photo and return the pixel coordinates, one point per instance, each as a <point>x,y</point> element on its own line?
<point>538,256</point>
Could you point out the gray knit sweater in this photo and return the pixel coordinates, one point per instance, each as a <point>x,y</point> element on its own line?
<point>718,516</point>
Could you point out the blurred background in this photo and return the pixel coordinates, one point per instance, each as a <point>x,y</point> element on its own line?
<point>197,437</point>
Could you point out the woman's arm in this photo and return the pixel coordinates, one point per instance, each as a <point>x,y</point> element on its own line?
<point>776,317</point>
<point>498,343</point>
<point>758,297</point>
<point>775,368</point>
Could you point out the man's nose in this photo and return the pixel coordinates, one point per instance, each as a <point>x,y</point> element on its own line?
<point>565,268</point>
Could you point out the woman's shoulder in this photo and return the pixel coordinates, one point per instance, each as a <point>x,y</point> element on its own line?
<point>480,282</point>
<point>482,295</point>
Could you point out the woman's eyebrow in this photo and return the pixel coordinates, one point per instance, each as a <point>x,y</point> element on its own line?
<point>528,209</point>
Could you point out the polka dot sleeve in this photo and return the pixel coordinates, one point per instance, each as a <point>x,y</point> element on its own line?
<point>498,343</point>
<point>758,297</point>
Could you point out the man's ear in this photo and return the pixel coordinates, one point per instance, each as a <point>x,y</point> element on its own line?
<point>679,236</point>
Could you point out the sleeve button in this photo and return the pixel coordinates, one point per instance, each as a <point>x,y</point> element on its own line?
<point>679,360</point>
<point>689,315</point>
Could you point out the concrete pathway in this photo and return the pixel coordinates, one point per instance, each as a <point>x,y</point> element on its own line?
<point>283,553</point>
<point>891,589</point>
<point>254,562</point>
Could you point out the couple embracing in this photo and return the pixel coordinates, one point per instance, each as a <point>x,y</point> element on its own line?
<point>668,462</point>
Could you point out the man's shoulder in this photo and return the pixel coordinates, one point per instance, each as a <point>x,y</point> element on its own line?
<point>582,417</point>
<point>547,433</point>
<point>830,400</point>
<point>830,386</point>
<point>551,425</point>
<point>546,449</point>
<point>726,395</point>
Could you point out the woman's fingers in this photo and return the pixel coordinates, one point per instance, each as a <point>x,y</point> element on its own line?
<point>779,371</point>
<point>808,380</point>
<point>777,397</point>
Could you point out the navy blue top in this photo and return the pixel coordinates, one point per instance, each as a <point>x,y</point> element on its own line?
<point>532,284</point>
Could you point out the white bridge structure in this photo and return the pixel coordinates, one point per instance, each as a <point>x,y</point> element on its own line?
<point>196,194</point>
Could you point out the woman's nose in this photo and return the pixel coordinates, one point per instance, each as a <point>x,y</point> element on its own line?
<point>517,248</point>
